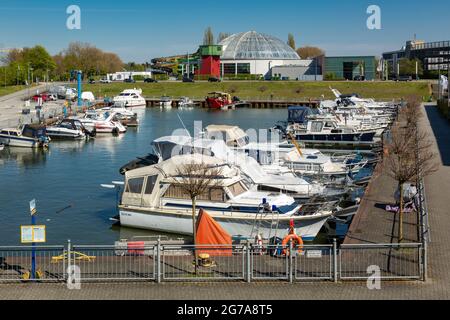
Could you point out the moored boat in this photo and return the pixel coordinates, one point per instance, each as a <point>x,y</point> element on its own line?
<point>26,136</point>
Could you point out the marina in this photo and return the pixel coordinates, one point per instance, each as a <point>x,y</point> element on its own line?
<point>238,163</point>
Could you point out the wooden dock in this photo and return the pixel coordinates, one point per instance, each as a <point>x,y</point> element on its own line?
<point>251,103</point>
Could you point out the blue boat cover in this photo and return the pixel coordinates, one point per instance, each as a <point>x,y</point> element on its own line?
<point>299,114</point>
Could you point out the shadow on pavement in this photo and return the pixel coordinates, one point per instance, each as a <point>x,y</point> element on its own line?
<point>441,130</point>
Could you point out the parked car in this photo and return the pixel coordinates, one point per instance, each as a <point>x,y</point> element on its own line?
<point>91,81</point>
<point>129,80</point>
<point>150,80</point>
<point>402,78</point>
<point>104,80</point>
<point>185,79</point>
<point>214,79</point>
<point>359,78</point>
<point>44,97</point>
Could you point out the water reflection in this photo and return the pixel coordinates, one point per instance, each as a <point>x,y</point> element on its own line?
<point>23,157</point>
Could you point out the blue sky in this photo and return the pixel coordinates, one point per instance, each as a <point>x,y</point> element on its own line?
<point>140,30</point>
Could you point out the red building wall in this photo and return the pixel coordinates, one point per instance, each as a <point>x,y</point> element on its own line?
<point>210,66</point>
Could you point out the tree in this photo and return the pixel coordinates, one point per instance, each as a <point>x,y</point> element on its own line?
<point>410,157</point>
<point>291,41</point>
<point>208,37</point>
<point>223,36</point>
<point>196,179</point>
<point>310,52</point>
<point>408,67</point>
<point>88,58</point>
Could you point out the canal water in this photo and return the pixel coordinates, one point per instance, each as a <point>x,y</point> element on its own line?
<point>65,180</point>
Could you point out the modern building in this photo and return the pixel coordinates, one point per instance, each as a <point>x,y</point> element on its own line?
<point>254,53</point>
<point>306,70</point>
<point>347,68</point>
<point>434,56</point>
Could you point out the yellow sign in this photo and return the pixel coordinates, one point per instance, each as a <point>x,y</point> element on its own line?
<point>33,234</point>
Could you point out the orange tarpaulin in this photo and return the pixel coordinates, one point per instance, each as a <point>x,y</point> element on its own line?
<point>209,234</point>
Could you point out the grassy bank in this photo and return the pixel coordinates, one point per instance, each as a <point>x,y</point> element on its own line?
<point>10,89</point>
<point>264,90</point>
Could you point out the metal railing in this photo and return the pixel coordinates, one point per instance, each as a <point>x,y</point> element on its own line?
<point>395,261</point>
<point>16,264</point>
<point>114,263</point>
<point>134,262</point>
<point>222,263</point>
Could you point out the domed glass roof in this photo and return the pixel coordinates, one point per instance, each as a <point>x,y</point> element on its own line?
<point>256,46</point>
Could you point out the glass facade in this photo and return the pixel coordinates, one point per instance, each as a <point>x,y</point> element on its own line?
<point>350,67</point>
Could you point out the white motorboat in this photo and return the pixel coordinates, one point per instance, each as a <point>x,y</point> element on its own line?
<point>170,146</point>
<point>186,103</point>
<point>154,199</point>
<point>120,109</point>
<point>102,122</point>
<point>165,103</point>
<point>131,98</point>
<point>27,136</point>
<point>2,146</point>
<point>69,129</point>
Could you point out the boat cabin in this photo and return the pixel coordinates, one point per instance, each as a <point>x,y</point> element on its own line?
<point>232,135</point>
<point>154,185</point>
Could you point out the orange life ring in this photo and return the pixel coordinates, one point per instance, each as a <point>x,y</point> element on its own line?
<point>295,240</point>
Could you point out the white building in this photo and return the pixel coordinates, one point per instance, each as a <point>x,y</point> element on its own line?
<point>255,53</point>
<point>122,75</point>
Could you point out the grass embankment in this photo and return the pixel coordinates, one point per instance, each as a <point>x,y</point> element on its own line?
<point>10,89</point>
<point>264,90</point>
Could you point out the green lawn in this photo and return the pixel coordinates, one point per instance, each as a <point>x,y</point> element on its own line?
<point>264,90</point>
<point>10,89</point>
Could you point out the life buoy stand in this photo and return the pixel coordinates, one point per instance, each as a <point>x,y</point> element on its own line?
<point>296,241</point>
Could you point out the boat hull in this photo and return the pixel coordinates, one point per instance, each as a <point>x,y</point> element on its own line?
<point>180,222</point>
<point>20,142</point>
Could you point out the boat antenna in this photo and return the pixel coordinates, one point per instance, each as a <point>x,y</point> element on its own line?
<point>182,123</point>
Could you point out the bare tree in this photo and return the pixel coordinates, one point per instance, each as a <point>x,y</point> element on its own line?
<point>223,36</point>
<point>197,179</point>
<point>208,37</point>
<point>410,156</point>
<point>310,52</point>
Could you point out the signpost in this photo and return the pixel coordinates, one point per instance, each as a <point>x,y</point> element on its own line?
<point>33,234</point>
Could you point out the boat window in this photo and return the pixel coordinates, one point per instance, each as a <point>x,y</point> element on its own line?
<point>237,189</point>
<point>135,185</point>
<point>176,192</point>
<point>316,126</point>
<point>217,194</point>
<point>150,184</point>
<point>4,132</point>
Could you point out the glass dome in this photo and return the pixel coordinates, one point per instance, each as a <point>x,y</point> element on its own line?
<point>256,46</point>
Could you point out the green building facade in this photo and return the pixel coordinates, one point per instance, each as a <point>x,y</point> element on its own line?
<point>347,68</point>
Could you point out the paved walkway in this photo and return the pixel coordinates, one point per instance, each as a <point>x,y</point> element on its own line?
<point>11,105</point>
<point>365,230</point>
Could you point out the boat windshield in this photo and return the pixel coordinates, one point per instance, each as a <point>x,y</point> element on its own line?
<point>237,189</point>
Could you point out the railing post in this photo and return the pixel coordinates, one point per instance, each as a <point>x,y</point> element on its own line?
<point>69,262</point>
<point>158,261</point>
<point>291,254</point>
<point>335,261</point>
<point>249,267</point>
